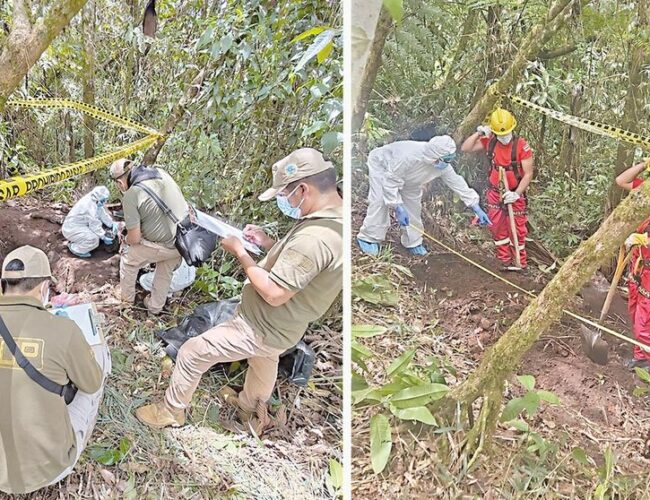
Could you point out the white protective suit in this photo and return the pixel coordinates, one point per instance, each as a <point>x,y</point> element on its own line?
<point>87,222</point>
<point>184,275</point>
<point>398,172</point>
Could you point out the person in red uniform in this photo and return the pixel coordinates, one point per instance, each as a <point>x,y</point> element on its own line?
<point>638,299</point>
<point>505,149</point>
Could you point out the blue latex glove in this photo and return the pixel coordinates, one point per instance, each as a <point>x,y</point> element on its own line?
<point>441,165</point>
<point>115,227</point>
<point>402,216</point>
<point>483,218</point>
<point>368,247</point>
<point>418,250</point>
<point>107,240</point>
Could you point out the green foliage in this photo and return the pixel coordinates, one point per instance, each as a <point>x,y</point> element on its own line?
<point>380,442</point>
<point>396,8</point>
<point>405,395</point>
<point>376,289</point>
<point>218,279</point>
<point>529,402</point>
<point>644,376</point>
<point>106,454</point>
<point>335,478</point>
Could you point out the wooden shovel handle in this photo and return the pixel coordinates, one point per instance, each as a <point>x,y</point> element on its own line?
<point>620,267</point>
<point>511,219</point>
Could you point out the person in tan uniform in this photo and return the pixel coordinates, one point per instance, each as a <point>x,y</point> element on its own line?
<point>150,232</point>
<point>42,437</point>
<point>294,285</point>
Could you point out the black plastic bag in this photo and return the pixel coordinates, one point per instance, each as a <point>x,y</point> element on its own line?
<point>194,242</point>
<point>202,319</point>
<point>296,364</point>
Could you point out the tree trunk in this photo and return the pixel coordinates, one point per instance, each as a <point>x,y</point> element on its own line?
<point>176,116</point>
<point>493,43</point>
<point>88,21</point>
<point>469,25</point>
<point>369,68</point>
<point>529,48</point>
<point>487,381</point>
<point>633,110</point>
<point>69,135</point>
<point>130,68</point>
<point>27,41</point>
<point>570,152</point>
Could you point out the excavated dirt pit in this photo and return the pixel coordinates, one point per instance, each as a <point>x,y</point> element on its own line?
<point>25,223</point>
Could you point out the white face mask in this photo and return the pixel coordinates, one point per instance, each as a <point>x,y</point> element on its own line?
<point>45,295</point>
<point>504,139</point>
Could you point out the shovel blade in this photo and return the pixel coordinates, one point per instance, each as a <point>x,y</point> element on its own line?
<point>594,346</point>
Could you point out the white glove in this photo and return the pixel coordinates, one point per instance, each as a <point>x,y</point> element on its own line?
<point>510,197</point>
<point>484,130</point>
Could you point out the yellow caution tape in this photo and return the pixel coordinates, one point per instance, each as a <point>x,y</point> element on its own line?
<point>24,185</point>
<point>585,124</point>
<point>531,294</point>
<point>94,111</point>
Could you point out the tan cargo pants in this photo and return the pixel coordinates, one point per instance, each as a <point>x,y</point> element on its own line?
<point>135,257</point>
<point>233,340</point>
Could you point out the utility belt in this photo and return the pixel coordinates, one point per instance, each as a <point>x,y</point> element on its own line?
<point>502,206</point>
<point>642,291</point>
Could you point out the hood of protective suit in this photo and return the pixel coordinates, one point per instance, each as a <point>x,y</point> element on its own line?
<point>439,147</point>
<point>100,193</point>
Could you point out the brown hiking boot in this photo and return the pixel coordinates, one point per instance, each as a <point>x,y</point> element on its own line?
<point>159,415</point>
<point>146,301</point>
<point>257,421</point>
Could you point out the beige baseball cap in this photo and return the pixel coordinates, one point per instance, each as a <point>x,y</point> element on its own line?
<point>298,165</point>
<point>120,167</point>
<point>35,264</point>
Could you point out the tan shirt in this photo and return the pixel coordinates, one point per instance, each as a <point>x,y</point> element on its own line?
<point>37,441</point>
<point>308,260</point>
<point>140,209</point>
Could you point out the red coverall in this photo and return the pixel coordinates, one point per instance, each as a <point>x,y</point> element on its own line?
<point>638,299</point>
<point>498,212</point>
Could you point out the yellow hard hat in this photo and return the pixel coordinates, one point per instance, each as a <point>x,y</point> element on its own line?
<point>502,122</point>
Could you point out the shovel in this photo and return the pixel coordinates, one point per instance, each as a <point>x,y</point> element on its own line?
<point>511,220</point>
<point>592,343</point>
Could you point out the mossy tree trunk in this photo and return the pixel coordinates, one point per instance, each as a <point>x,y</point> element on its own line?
<point>28,38</point>
<point>529,49</point>
<point>487,381</point>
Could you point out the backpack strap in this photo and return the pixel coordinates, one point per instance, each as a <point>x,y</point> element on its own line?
<point>515,165</point>
<point>161,204</point>
<point>28,368</point>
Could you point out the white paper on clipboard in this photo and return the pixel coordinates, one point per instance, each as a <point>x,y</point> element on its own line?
<point>85,317</point>
<point>221,229</point>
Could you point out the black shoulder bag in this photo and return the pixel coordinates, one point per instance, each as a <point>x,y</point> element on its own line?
<point>193,242</point>
<point>67,392</point>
